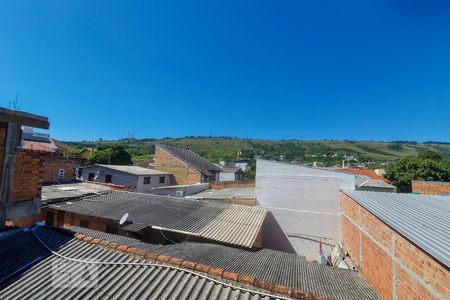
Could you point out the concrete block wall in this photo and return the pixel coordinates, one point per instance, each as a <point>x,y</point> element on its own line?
<point>181,171</point>
<point>431,188</point>
<point>395,267</point>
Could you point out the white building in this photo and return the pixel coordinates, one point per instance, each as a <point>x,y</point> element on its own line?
<point>138,179</point>
<point>304,205</point>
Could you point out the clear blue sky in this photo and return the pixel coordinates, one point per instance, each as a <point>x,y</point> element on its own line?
<point>265,69</point>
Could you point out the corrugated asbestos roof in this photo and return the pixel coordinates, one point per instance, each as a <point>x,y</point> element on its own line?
<point>71,190</point>
<point>192,159</point>
<point>26,272</point>
<point>135,170</point>
<point>277,267</point>
<point>422,219</point>
<point>223,222</point>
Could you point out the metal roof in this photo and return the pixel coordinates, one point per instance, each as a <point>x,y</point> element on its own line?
<point>223,222</point>
<point>422,219</point>
<point>277,267</point>
<point>26,272</point>
<point>366,181</point>
<point>192,159</point>
<point>135,170</point>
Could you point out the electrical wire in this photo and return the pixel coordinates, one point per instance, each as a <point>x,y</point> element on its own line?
<point>154,265</point>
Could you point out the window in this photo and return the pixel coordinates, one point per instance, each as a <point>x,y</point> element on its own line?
<point>91,176</point>
<point>61,173</point>
<point>111,229</point>
<point>50,218</point>
<point>162,179</point>
<point>84,223</point>
<point>108,178</point>
<point>147,180</point>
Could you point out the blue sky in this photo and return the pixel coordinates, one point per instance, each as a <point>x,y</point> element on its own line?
<point>266,69</point>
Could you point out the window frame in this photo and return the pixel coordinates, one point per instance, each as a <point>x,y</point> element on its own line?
<point>84,223</point>
<point>149,179</point>
<point>108,176</point>
<point>162,179</point>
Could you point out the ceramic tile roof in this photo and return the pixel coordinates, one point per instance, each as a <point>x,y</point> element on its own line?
<point>26,269</point>
<point>290,270</point>
<point>366,172</point>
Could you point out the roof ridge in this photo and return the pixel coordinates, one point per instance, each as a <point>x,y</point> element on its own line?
<point>196,266</point>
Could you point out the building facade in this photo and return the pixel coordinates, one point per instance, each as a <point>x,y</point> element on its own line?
<point>21,170</point>
<point>231,174</point>
<point>399,242</point>
<point>137,179</point>
<point>304,203</point>
<point>186,166</point>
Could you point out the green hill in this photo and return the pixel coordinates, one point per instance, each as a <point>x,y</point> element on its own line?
<point>329,152</point>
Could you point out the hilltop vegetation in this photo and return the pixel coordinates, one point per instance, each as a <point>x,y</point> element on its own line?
<point>328,152</point>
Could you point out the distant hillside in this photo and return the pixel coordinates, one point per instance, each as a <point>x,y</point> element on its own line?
<point>330,152</point>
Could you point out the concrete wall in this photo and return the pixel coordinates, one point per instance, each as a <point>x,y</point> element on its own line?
<point>304,202</point>
<point>136,183</point>
<point>395,267</point>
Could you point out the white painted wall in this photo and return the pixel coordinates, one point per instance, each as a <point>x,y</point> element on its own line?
<point>227,176</point>
<point>305,204</point>
<point>136,183</point>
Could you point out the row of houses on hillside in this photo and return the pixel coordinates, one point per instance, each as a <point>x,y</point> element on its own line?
<point>173,166</point>
<point>311,234</point>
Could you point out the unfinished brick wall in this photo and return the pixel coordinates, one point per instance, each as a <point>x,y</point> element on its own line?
<point>395,267</point>
<point>181,171</point>
<point>431,188</point>
<point>219,185</point>
<point>28,176</point>
<point>52,165</point>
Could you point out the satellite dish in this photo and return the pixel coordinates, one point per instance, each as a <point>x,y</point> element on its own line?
<point>123,219</point>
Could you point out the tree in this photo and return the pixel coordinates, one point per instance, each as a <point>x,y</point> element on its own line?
<point>429,154</point>
<point>406,169</point>
<point>114,155</point>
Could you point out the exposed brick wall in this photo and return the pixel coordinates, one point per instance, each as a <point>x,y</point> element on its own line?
<point>395,267</point>
<point>52,165</point>
<point>182,172</point>
<point>28,176</point>
<point>431,188</point>
<point>219,185</point>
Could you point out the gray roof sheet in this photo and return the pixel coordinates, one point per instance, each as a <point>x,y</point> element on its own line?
<point>223,222</point>
<point>135,170</point>
<point>366,181</point>
<point>192,159</point>
<point>26,272</point>
<point>422,219</point>
<point>225,194</point>
<point>71,190</point>
<point>272,266</point>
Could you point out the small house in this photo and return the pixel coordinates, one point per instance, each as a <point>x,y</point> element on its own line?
<point>138,179</point>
